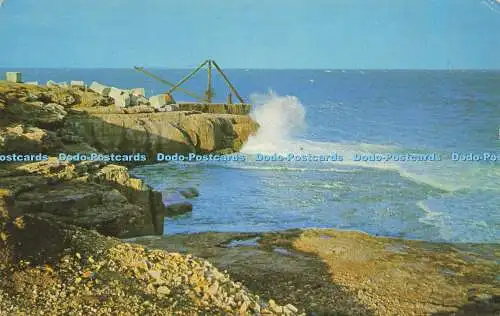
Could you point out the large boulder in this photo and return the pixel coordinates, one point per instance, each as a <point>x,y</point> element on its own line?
<point>178,208</point>
<point>189,193</point>
<point>91,206</point>
<point>91,195</point>
<point>176,204</point>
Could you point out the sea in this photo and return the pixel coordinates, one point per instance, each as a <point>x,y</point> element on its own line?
<point>448,118</point>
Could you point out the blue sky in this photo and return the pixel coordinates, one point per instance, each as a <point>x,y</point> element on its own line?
<point>332,34</point>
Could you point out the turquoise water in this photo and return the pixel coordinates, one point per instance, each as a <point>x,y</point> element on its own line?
<point>348,112</point>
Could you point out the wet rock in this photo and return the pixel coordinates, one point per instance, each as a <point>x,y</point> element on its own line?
<point>176,204</point>
<point>189,193</point>
<point>178,208</point>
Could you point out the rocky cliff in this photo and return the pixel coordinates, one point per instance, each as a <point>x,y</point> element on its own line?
<point>91,195</point>
<point>49,120</point>
<point>57,255</point>
<point>166,132</point>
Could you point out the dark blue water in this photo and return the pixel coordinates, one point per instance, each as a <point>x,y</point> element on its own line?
<point>345,112</point>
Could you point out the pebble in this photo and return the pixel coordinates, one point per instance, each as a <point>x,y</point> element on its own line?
<point>155,274</point>
<point>275,307</point>
<point>163,290</point>
<point>291,308</point>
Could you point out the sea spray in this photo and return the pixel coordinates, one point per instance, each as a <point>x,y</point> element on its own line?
<point>280,118</point>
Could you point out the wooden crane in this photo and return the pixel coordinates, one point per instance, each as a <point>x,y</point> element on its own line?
<point>209,93</point>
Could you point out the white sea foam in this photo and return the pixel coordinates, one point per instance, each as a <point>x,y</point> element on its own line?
<point>282,117</point>
<point>436,219</point>
<point>430,217</point>
<point>287,168</point>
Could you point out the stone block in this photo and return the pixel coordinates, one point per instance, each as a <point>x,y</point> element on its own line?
<point>51,83</point>
<point>157,101</point>
<point>115,93</point>
<point>63,84</point>
<point>13,76</point>
<point>78,83</point>
<point>143,100</point>
<point>138,92</point>
<point>100,88</point>
<point>122,97</point>
<point>123,100</point>
<point>169,108</point>
<point>33,83</point>
<point>139,100</point>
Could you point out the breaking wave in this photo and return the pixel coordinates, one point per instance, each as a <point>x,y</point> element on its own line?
<point>283,118</point>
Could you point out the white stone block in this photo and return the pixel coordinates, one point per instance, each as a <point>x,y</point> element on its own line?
<point>100,88</point>
<point>170,107</point>
<point>141,100</point>
<point>138,91</point>
<point>115,93</point>
<point>157,101</point>
<point>33,83</point>
<point>13,76</point>
<point>123,100</point>
<point>78,83</point>
<point>63,84</point>
<point>51,83</point>
<point>138,100</point>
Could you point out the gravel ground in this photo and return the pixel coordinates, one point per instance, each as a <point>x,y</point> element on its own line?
<point>96,275</point>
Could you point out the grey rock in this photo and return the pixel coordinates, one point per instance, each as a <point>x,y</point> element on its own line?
<point>189,193</point>
<point>179,208</point>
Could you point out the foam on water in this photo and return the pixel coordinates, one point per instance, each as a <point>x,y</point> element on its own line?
<point>283,117</point>
<point>464,184</point>
<point>438,201</point>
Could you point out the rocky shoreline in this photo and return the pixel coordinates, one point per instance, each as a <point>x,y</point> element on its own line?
<point>46,122</point>
<point>58,219</point>
<point>60,222</point>
<point>333,272</point>
<point>49,267</point>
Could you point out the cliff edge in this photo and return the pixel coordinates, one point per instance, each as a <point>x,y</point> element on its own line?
<point>54,119</point>
<point>43,122</point>
<point>58,219</point>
